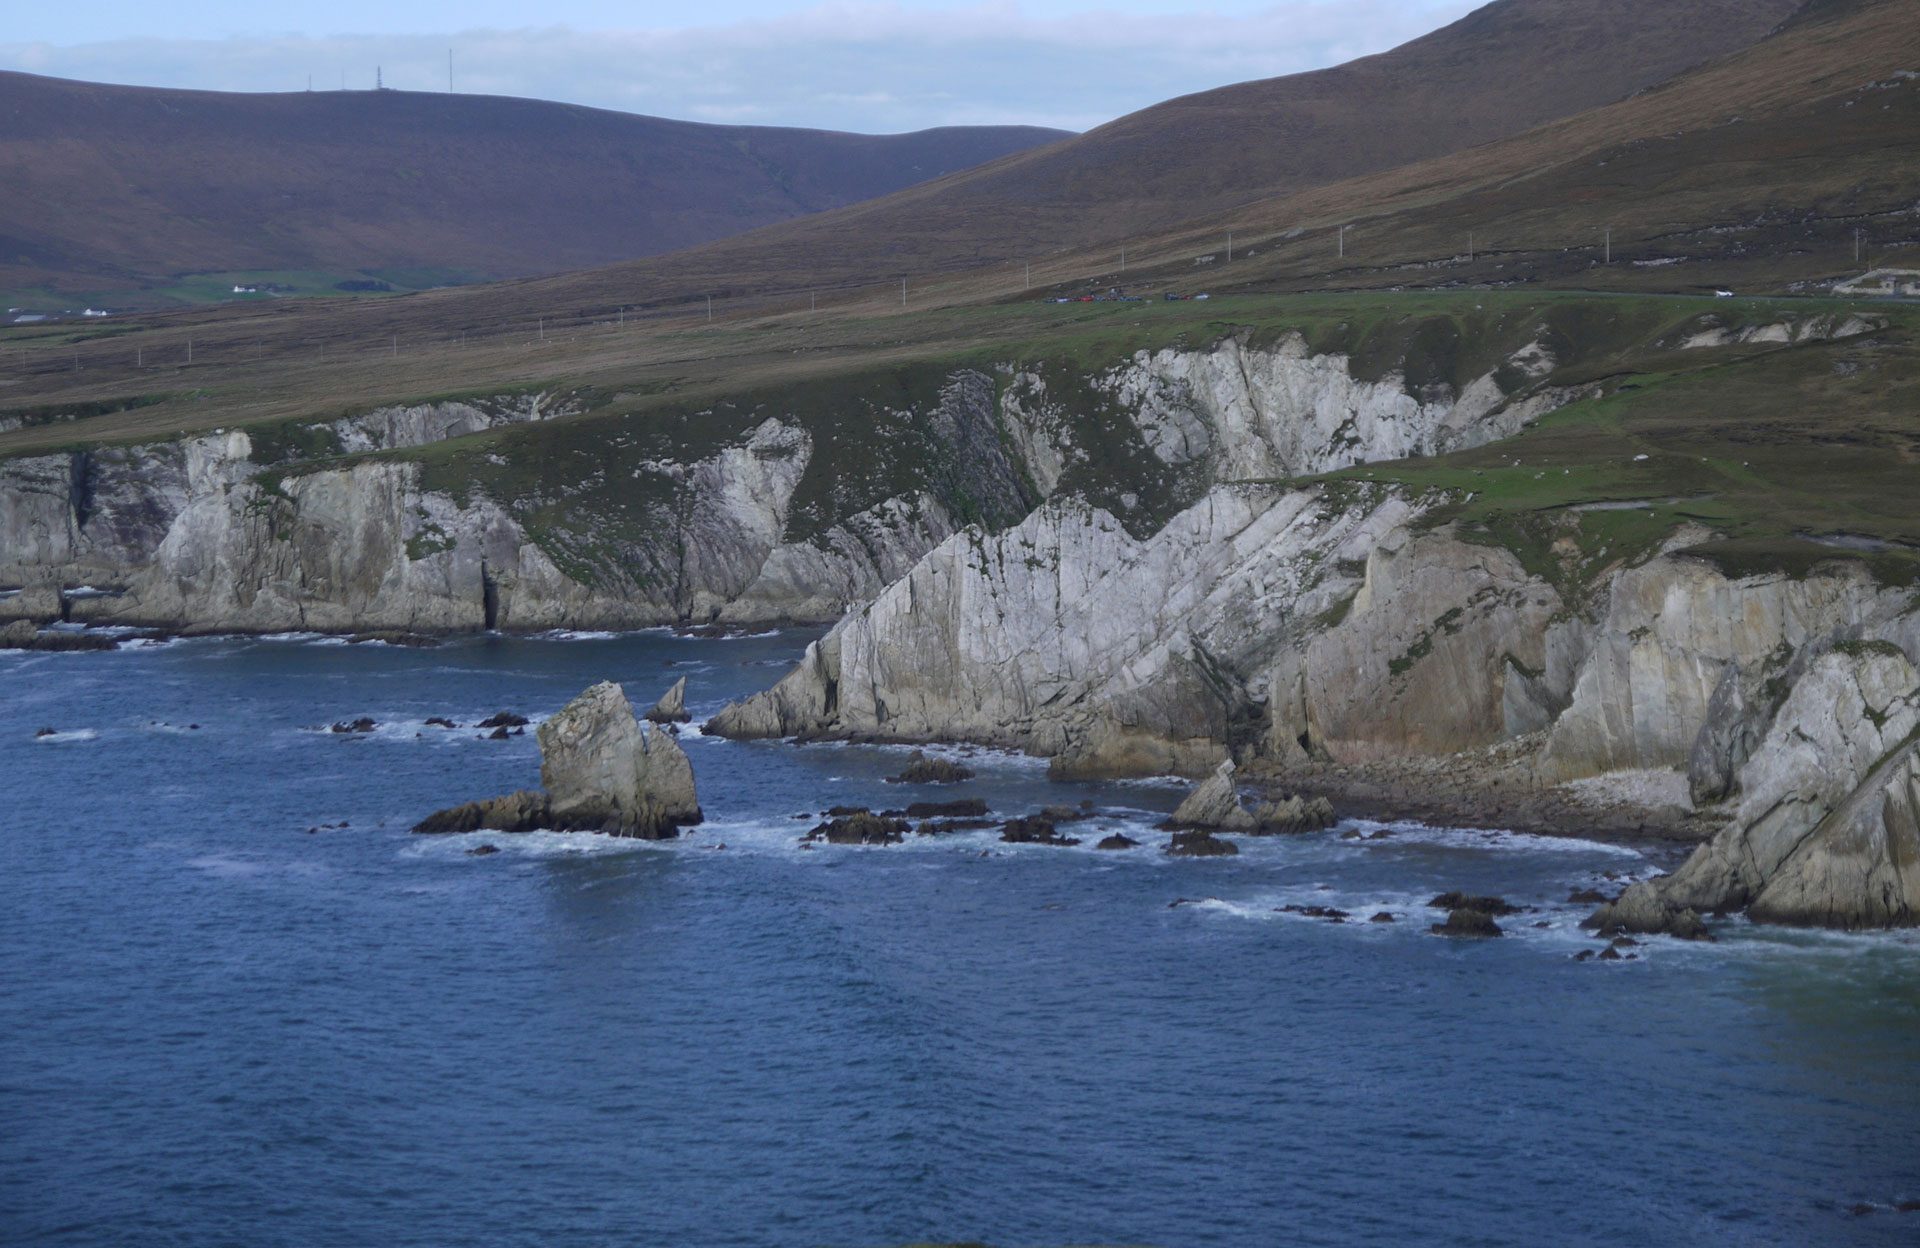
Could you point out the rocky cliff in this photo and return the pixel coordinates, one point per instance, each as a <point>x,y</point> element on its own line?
<point>521,512</point>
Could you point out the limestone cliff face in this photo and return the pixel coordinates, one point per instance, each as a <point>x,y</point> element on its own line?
<point>1070,638</point>
<point>333,526</point>
<point>1112,644</point>
<point>1828,826</point>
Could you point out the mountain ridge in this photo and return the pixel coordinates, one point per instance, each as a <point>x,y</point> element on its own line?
<point>132,186</point>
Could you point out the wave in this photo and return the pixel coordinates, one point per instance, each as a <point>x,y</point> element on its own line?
<point>66,735</point>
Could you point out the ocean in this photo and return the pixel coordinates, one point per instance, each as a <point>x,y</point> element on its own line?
<point>241,1005</point>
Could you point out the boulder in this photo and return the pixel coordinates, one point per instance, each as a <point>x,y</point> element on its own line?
<point>22,635</point>
<point>1200,843</point>
<point>503,719</point>
<point>672,706</point>
<point>1478,905</point>
<point>923,770</point>
<point>860,827</point>
<point>523,811</point>
<point>1032,830</point>
<point>965,808</point>
<point>1214,804</point>
<point>1644,910</point>
<point>1292,815</point>
<point>1117,840</point>
<point>1467,923</point>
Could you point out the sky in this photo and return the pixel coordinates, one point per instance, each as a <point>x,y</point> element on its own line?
<point>840,64</point>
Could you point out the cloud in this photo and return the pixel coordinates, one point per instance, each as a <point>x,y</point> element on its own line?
<point>875,68</point>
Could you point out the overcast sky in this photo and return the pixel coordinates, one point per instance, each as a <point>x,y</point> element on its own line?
<point>874,67</point>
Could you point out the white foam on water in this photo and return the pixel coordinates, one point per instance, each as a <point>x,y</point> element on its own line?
<point>69,734</point>
<point>458,845</point>
<point>1493,840</point>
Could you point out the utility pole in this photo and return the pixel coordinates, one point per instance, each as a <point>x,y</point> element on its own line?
<point>810,301</point>
<point>1343,241</point>
<point>1609,259</point>
<point>189,350</point>
<point>1123,256</point>
<point>1029,285</point>
<point>709,309</point>
<point>903,292</point>
<point>543,329</point>
<point>1229,248</point>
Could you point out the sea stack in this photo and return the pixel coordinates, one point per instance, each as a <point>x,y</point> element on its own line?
<point>672,706</point>
<point>603,771</point>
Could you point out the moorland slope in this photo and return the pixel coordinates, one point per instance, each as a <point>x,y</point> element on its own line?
<point>115,188</point>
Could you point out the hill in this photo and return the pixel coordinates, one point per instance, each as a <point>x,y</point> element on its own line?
<point>113,188</point>
<point>1501,69</point>
<point>1824,144</point>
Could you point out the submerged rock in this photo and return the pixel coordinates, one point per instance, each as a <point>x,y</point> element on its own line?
<point>1214,804</point>
<point>672,706</point>
<point>363,724</point>
<point>965,808</point>
<point>1199,843</point>
<point>524,811</point>
<point>1293,815</point>
<point>860,826</point>
<point>1478,905</point>
<point>1467,923</point>
<point>603,771</point>
<point>1644,910</point>
<point>22,635</point>
<point>1032,830</point>
<point>923,770</point>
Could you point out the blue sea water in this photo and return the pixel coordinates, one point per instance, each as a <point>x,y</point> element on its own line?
<point>218,1027</point>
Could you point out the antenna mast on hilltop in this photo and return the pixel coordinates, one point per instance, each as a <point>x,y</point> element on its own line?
<point>378,83</point>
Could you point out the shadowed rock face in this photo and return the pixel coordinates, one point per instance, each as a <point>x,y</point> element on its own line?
<point>604,771</point>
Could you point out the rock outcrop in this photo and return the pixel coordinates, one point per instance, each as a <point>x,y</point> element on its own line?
<point>602,770</point>
<point>1215,804</point>
<point>1825,832</point>
<point>727,515</point>
<point>672,706</point>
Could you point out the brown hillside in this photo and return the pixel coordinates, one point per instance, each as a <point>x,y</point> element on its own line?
<point>1503,68</point>
<point>109,186</point>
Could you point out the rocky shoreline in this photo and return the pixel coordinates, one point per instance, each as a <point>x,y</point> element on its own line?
<point>1499,787</point>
